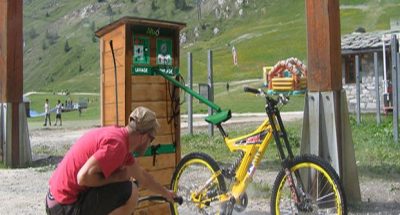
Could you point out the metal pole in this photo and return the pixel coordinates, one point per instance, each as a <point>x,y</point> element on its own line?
<point>393,43</point>
<point>398,82</point>
<point>385,85</point>
<point>190,98</point>
<point>378,105</point>
<point>1,124</point>
<point>211,90</point>
<point>358,107</point>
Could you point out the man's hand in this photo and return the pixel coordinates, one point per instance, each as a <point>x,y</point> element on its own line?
<point>149,182</point>
<point>169,195</point>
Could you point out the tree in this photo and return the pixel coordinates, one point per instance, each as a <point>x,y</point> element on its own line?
<point>66,47</point>
<point>180,4</point>
<point>32,33</point>
<point>44,45</point>
<point>51,37</point>
<point>154,5</point>
<point>109,12</point>
<point>94,38</point>
<point>93,26</point>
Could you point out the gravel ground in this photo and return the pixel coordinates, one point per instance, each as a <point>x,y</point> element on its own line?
<point>22,191</point>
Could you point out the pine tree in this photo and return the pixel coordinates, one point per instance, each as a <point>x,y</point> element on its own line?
<point>66,47</point>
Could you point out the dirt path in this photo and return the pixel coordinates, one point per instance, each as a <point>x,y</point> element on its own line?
<point>22,191</point>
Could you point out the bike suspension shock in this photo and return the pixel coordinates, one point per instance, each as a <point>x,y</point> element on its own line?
<point>230,171</point>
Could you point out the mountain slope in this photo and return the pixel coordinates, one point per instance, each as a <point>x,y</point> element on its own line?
<point>61,52</point>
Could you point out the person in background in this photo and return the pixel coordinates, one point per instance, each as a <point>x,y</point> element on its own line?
<point>99,174</point>
<point>46,113</point>
<point>59,108</point>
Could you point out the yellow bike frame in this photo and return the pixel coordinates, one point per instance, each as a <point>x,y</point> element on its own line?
<point>254,148</point>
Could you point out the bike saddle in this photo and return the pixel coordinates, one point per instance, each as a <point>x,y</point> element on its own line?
<point>219,117</point>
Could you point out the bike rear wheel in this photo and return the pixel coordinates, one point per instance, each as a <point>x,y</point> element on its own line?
<point>318,187</point>
<point>194,172</point>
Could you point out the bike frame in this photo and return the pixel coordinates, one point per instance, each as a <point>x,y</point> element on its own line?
<point>254,145</point>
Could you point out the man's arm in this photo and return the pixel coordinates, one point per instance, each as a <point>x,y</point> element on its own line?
<point>148,181</point>
<point>91,175</point>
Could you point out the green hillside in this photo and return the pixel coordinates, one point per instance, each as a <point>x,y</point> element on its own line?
<point>61,52</point>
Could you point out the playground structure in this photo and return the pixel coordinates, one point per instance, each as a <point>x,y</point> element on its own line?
<point>288,76</point>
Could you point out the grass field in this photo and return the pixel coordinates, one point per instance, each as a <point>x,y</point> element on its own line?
<point>376,153</point>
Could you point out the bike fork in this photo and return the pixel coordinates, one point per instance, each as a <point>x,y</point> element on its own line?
<point>292,186</point>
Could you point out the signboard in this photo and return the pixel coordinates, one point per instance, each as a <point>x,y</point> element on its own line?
<point>141,50</point>
<point>153,50</point>
<point>164,52</point>
<point>142,70</point>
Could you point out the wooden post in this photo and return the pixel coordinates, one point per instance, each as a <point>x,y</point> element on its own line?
<point>11,72</point>
<point>323,26</point>
<point>326,127</point>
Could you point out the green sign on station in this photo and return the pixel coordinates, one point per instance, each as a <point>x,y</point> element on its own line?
<point>141,50</point>
<point>164,52</point>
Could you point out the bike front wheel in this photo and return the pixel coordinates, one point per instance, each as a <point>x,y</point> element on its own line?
<point>317,186</point>
<point>198,179</point>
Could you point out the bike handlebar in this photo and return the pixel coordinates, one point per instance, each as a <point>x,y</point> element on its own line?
<point>280,99</point>
<point>252,90</point>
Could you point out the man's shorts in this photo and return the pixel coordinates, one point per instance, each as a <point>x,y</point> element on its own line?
<point>96,201</point>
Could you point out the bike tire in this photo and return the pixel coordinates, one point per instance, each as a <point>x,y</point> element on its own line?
<point>190,174</point>
<point>322,193</point>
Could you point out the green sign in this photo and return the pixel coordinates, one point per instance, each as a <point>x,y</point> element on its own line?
<point>169,70</point>
<point>164,52</point>
<point>142,70</point>
<point>141,50</point>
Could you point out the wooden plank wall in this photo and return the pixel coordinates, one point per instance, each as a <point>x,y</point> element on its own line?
<point>108,109</point>
<point>155,93</point>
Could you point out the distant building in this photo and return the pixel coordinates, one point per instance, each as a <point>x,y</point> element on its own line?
<point>365,45</point>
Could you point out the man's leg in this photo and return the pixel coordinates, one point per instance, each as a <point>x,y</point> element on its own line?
<point>110,198</point>
<point>130,204</point>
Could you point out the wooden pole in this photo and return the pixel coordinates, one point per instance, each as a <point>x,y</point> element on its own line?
<point>323,26</point>
<point>326,126</point>
<point>11,69</point>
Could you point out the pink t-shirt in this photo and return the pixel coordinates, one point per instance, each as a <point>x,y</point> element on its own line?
<point>108,145</point>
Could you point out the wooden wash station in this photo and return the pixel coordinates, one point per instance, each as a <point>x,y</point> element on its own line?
<point>140,46</point>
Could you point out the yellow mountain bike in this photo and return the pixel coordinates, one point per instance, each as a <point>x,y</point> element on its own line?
<point>306,184</point>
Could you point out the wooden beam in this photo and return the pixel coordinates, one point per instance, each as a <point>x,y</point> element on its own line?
<point>323,27</point>
<point>11,67</point>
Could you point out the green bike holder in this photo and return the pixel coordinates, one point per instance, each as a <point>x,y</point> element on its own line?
<point>160,149</point>
<point>218,117</point>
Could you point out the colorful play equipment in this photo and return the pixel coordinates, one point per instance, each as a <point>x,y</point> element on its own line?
<point>287,76</point>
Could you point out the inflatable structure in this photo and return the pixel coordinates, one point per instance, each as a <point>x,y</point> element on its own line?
<point>288,76</point>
